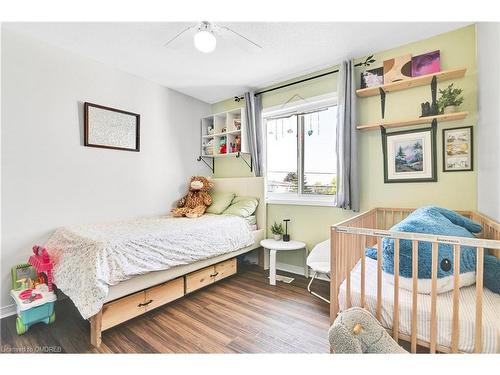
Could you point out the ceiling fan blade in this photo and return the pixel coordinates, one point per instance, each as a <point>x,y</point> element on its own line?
<point>239,35</point>
<point>178,35</point>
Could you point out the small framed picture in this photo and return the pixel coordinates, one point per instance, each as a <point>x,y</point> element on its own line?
<point>426,63</point>
<point>372,78</point>
<point>410,155</point>
<point>457,149</point>
<point>112,128</point>
<point>20,275</point>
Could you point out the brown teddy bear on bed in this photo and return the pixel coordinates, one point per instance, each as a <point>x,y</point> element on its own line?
<point>197,200</point>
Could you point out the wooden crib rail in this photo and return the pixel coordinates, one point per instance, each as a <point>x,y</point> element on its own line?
<point>491,229</point>
<point>349,241</point>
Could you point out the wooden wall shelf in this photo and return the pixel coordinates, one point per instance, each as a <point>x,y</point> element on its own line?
<point>444,75</point>
<point>415,121</point>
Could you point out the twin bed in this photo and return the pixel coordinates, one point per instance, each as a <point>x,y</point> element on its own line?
<point>115,271</point>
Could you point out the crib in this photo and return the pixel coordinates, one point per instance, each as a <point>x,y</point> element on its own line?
<point>350,285</point>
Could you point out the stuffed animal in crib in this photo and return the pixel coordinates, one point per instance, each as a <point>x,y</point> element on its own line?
<point>195,203</point>
<point>437,220</point>
<point>356,331</point>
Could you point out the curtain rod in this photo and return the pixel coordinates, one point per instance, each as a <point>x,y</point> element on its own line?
<point>296,82</point>
<point>369,60</point>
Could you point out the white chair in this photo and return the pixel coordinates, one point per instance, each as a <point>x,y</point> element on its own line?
<point>319,261</point>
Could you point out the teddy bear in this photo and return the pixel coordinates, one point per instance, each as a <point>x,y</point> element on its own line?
<point>197,200</point>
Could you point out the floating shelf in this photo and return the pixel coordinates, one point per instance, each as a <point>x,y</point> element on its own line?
<point>444,75</point>
<point>415,121</point>
<point>221,134</point>
<point>225,155</point>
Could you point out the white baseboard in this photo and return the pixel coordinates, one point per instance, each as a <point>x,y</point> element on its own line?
<point>8,310</point>
<point>298,270</point>
<point>252,258</point>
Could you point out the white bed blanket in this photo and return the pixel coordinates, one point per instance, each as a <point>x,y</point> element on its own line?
<point>90,258</point>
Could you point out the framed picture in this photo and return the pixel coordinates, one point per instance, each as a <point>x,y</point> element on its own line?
<point>426,63</point>
<point>22,272</point>
<point>457,149</point>
<point>237,124</point>
<point>397,69</point>
<point>112,128</point>
<point>410,155</point>
<point>372,78</point>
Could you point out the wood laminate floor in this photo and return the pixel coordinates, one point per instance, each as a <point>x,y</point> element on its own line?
<point>242,314</point>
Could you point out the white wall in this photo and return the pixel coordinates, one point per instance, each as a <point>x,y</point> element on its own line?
<point>488,130</point>
<point>49,179</point>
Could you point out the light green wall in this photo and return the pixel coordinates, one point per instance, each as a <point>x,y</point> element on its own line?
<point>454,190</point>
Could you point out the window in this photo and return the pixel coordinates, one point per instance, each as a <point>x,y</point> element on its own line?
<point>300,153</point>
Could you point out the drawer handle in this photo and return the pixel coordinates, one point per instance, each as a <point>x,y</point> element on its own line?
<point>215,274</point>
<point>145,303</point>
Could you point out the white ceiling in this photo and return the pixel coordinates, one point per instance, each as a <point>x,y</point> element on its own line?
<point>290,49</point>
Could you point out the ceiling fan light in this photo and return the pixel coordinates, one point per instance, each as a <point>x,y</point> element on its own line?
<point>205,41</point>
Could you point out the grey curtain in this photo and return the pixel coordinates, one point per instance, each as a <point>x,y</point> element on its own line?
<point>253,114</point>
<point>347,161</point>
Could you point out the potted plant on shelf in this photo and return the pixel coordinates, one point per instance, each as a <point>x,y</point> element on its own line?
<point>450,99</point>
<point>277,230</point>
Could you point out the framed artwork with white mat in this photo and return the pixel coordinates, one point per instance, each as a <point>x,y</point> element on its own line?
<point>410,155</point>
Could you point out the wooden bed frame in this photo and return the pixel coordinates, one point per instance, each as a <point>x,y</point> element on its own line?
<point>349,240</point>
<point>141,300</point>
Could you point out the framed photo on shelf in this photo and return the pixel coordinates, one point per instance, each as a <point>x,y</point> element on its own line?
<point>410,155</point>
<point>426,63</point>
<point>372,78</point>
<point>106,127</point>
<point>457,149</point>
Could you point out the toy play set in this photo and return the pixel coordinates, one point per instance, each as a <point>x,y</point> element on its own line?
<point>32,290</point>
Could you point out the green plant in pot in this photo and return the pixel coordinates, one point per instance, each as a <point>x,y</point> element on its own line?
<point>450,99</point>
<point>277,230</point>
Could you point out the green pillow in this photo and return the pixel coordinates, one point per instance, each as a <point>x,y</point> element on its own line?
<point>242,206</point>
<point>220,201</point>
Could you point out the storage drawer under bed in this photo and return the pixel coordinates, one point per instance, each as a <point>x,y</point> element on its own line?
<point>129,307</point>
<point>123,309</point>
<point>210,275</point>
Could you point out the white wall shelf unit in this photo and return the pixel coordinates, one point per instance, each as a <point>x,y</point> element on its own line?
<point>224,135</point>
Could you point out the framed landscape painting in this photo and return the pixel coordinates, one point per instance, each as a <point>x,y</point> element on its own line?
<point>410,155</point>
<point>457,149</point>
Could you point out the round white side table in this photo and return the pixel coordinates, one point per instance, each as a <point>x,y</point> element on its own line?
<point>274,246</point>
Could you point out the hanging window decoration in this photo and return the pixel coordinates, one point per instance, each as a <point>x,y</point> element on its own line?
<point>310,131</point>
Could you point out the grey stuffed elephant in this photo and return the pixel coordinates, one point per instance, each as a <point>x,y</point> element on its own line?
<point>357,331</point>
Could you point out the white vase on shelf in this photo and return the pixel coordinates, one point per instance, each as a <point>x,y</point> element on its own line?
<point>450,109</point>
<point>277,237</point>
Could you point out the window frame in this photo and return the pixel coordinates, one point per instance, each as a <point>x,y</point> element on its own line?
<point>308,105</point>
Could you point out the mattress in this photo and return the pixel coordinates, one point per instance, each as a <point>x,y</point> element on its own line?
<point>467,310</point>
<point>88,259</point>
<point>150,279</point>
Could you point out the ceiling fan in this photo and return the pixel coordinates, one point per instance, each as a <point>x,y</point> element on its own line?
<point>205,36</point>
